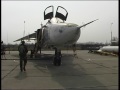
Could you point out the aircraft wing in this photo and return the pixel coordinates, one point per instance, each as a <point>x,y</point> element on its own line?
<point>87,24</point>
<point>28,37</point>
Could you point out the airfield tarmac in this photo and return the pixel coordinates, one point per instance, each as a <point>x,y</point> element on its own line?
<point>86,71</point>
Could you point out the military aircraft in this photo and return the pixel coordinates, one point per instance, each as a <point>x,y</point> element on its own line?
<point>56,33</point>
<point>107,50</point>
<point>111,49</point>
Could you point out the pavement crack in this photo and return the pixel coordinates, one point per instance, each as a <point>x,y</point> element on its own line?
<point>10,72</point>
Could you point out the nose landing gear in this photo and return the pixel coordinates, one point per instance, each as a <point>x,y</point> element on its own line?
<point>57,58</point>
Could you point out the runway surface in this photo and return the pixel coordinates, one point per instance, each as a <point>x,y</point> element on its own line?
<point>85,71</point>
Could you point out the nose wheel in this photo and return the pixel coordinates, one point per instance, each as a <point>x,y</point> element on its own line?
<point>57,58</point>
<point>57,61</point>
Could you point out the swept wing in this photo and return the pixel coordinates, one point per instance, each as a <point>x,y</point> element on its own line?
<point>28,37</point>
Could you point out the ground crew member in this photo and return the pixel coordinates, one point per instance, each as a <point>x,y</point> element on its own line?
<point>22,48</point>
<point>2,50</point>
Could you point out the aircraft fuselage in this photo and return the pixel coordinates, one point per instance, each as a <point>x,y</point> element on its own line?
<point>61,33</point>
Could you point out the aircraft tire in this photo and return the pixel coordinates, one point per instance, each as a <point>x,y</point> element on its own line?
<point>55,61</point>
<point>59,61</point>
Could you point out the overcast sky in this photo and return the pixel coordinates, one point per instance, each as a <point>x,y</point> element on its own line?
<point>14,13</point>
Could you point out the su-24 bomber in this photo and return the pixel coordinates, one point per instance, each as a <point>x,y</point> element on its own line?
<point>56,33</point>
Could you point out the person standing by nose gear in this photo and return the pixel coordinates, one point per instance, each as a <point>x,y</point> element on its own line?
<point>22,48</point>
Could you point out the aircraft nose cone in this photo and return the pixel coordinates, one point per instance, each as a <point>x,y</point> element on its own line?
<point>72,34</point>
<point>74,31</point>
<point>65,35</point>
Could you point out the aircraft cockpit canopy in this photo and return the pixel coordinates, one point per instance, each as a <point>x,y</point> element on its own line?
<point>61,15</point>
<point>50,14</point>
<point>58,14</point>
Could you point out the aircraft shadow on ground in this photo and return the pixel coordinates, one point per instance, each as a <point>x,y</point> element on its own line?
<point>21,76</point>
<point>68,75</point>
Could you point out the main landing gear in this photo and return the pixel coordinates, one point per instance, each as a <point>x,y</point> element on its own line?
<point>57,58</point>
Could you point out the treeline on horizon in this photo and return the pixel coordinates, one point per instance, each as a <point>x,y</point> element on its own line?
<point>79,46</point>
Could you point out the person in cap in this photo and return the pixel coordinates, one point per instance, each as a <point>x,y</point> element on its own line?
<point>2,50</point>
<point>2,46</point>
<point>22,48</point>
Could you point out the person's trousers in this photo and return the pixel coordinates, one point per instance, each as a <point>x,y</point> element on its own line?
<point>23,62</point>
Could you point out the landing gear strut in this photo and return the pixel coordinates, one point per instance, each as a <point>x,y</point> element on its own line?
<point>57,58</point>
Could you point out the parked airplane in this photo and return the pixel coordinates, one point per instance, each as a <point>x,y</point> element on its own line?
<point>111,49</point>
<point>55,33</point>
<point>106,50</point>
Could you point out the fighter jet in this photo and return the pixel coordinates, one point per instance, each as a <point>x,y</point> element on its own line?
<point>56,33</point>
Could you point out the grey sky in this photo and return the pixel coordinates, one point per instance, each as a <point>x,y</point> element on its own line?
<point>14,13</point>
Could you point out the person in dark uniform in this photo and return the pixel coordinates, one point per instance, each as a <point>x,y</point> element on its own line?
<point>2,50</point>
<point>22,48</point>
